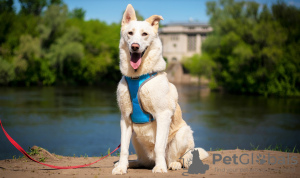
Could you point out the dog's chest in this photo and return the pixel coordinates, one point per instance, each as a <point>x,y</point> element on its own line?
<point>146,97</point>
<point>145,133</point>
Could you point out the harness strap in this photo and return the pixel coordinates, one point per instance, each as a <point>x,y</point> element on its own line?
<point>138,115</point>
<point>52,166</point>
<point>152,75</point>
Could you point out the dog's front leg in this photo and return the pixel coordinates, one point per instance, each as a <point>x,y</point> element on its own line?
<point>126,131</point>
<point>163,124</point>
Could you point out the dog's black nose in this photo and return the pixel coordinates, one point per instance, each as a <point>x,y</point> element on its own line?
<point>135,46</point>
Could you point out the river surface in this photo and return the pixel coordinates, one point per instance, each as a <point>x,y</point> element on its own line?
<point>86,120</point>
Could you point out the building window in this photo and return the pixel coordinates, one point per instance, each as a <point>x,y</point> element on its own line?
<point>191,43</point>
<point>174,37</point>
<point>174,59</point>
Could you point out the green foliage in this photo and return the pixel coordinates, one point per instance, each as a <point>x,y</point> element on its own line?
<point>66,52</point>
<point>6,5</point>
<point>57,2</point>
<point>6,72</point>
<point>255,51</point>
<point>251,50</point>
<point>282,149</point>
<point>53,24</point>
<point>78,13</point>
<point>200,65</point>
<point>45,44</point>
<point>34,7</point>
<point>100,41</point>
<point>6,23</point>
<point>139,16</point>
<point>42,159</point>
<point>33,152</point>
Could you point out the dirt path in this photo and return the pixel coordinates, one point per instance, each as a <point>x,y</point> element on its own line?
<point>234,163</point>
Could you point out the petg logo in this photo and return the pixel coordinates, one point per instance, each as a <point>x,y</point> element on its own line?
<point>261,159</point>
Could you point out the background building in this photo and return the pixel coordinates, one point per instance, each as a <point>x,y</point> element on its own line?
<point>182,39</point>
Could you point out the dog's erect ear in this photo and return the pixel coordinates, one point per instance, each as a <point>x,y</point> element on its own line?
<point>154,21</point>
<point>128,15</point>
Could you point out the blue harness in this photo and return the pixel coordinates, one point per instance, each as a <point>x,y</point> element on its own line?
<point>138,115</point>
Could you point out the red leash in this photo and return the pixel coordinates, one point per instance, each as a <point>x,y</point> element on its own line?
<point>52,166</point>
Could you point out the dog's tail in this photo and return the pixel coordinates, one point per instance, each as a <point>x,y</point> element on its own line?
<point>187,158</point>
<point>202,153</point>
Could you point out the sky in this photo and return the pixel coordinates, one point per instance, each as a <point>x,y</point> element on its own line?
<point>171,10</point>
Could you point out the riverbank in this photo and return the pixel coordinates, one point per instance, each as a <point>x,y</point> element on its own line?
<point>276,164</point>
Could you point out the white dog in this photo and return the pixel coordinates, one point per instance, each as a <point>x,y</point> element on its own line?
<point>150,113</point>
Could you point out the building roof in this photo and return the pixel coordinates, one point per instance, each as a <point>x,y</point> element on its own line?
<point>186,24</point>
<point>185,27</point>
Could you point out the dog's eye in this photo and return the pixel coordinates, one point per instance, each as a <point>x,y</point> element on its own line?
<point>144,34</point>
<point>130,33</point>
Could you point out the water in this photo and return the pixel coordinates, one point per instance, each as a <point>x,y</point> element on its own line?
<point>85,120</point>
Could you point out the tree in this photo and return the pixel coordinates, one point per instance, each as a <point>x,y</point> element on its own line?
<point>6,6</point>
<point>250,47</point>
<point>34,7</point>
<point>66,53</point>
<point>56,2</point>
<point>78,13</point>
<point>201,65</point>
<point>7,17</point>
<point>42,46</point>
<point>6,72</point>
<point>100,63</point>
<point>53,24</point>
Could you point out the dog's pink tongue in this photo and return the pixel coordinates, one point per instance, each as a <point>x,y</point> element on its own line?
<point>135,61</point>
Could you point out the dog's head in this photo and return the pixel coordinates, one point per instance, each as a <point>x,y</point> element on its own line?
<point>140,46</point>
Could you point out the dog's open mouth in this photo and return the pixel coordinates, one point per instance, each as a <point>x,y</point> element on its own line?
<point>136,59</point>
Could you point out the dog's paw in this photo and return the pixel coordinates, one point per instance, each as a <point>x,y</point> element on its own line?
<point>160,169</point>
<point>119,169</point>
<point>175,165</point>
<point>116,164</point>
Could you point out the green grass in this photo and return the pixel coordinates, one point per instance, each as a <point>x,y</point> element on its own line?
<point>270,147</point>
<point>218,149</point>
<point>42,159</point>
<point>85,155</point>
<point>32,152</point>
<point>253,147</point>
<point>108,152</point>
<point>283,149</point>
<point>278,148</point>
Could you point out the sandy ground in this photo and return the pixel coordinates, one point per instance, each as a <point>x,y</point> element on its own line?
<point>287,165</point>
